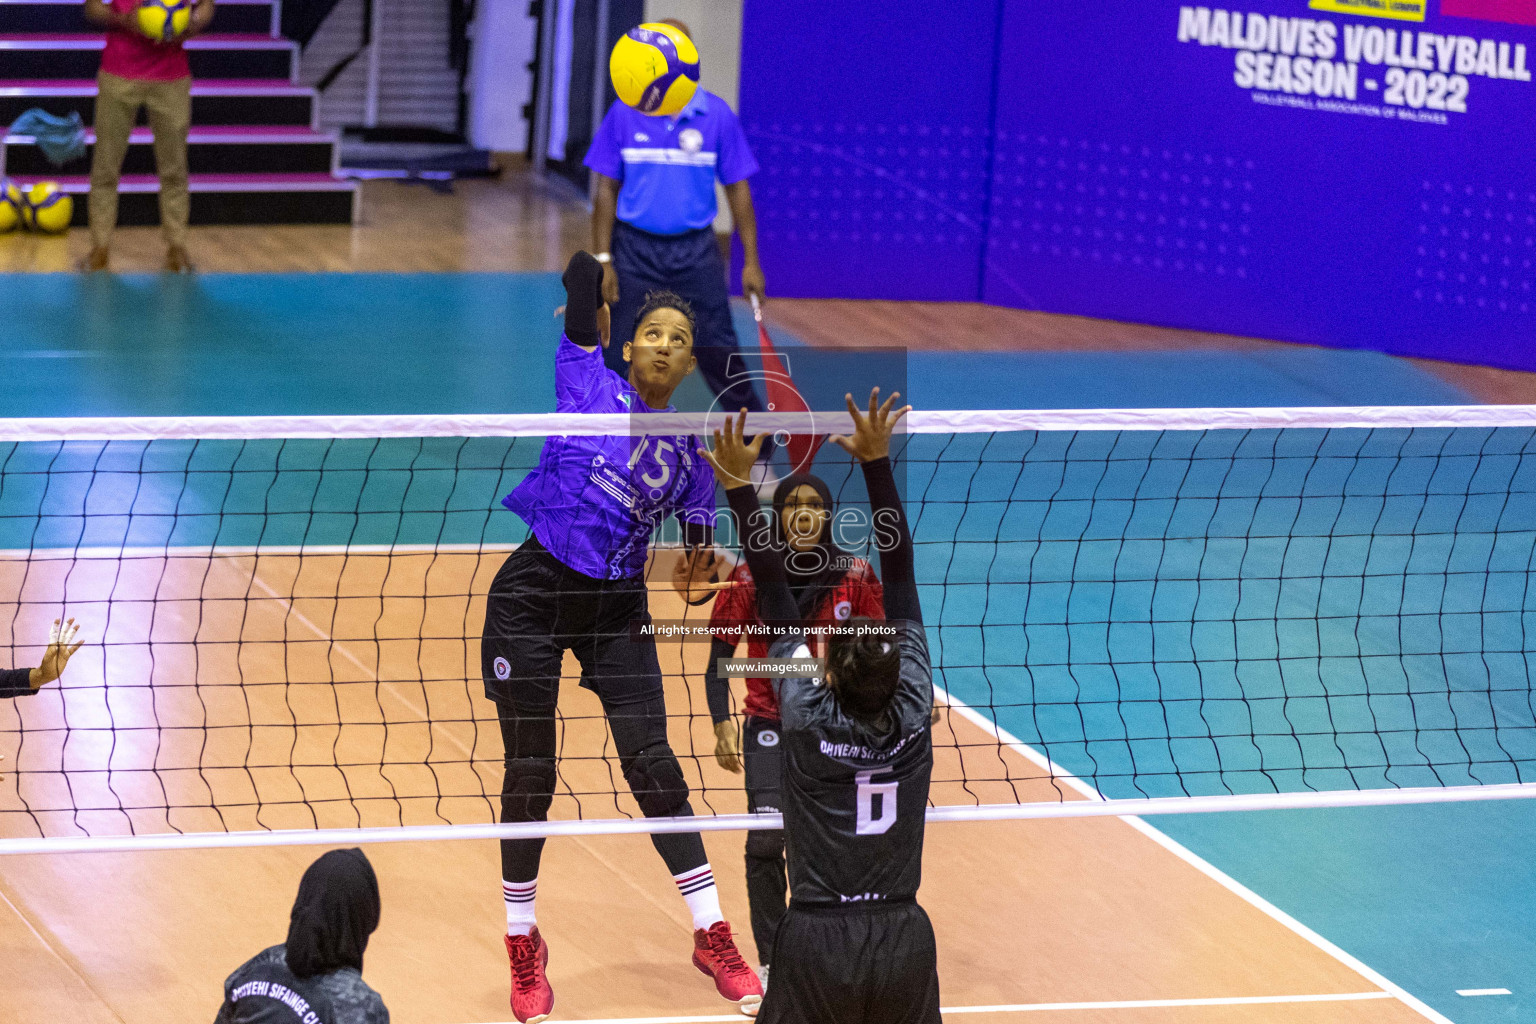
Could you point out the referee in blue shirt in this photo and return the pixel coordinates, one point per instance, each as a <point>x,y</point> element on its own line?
<point>653,225</point>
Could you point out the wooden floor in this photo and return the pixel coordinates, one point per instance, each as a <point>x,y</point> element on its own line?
<point>971,326</point>
<point>515,223</point>
<point>1056,912</point>
<point>1087,911</point>
<point>519,223</point>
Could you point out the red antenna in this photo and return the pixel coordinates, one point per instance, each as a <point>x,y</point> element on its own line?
<point>784,397</point>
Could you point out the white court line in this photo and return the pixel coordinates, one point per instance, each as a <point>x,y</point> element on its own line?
<point>1483,992</point>
<point>303,619</point>
<point>1206,868</point>
<point>1152,1004</point>
<point>1127,1004</point>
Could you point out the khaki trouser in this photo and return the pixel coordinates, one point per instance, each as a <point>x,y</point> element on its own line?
<point>169,105</point>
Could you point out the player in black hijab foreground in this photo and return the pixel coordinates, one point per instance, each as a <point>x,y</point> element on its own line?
<point>316,977</point>
<point>853,947</point>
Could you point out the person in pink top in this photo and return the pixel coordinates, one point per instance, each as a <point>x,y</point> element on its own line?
<point>136,72</point>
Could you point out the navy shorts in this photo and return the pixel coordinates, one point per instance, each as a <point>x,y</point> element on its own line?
<point>877,964</point>
<point>539,608</point>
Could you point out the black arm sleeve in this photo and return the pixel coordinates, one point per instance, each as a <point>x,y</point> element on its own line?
<point>16,682</point>
<point>698,535</point>
<point>775,604</point>
<point>583,281</point>
<point>896,562</point>
<point>717,691</point>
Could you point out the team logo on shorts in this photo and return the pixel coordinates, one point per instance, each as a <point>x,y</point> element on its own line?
<point>767,738</point>
<point>841,610</point>
<point>691,140</point>
<point>501,668</point>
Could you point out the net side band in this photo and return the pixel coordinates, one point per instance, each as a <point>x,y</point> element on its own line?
<point>148,428</point>
<point>736,822</point>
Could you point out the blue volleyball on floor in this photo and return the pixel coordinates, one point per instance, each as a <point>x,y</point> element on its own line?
<point>655,69</point>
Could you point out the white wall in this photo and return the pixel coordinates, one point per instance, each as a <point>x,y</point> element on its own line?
<point>716,26</point>
<point>499,80</point>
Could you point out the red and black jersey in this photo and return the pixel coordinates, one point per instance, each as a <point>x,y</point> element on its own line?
<point>858,593</point>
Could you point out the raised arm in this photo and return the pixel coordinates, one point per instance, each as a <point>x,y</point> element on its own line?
<point>732,459</point>
<point>20,682</point>
<point>870,443</point>
<point>586,314</point>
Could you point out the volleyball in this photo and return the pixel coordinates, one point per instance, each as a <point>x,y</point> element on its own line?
<point>11,204</point>
<point>655,69</point>
<point>164,20</point>
<point>48,209</point>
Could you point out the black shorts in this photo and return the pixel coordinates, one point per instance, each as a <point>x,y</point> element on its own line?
<point>539,608</point>
<point>877,964</point>
<point>763,760</point>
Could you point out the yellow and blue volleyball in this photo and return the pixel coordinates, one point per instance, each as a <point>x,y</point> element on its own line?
<point>48,208</point>
<point>11,205</point>
<point>655,69</point>
<point>164,20</point>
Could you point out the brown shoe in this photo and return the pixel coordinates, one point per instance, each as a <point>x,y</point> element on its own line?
<point>94,261</point>
<point>177,261</point>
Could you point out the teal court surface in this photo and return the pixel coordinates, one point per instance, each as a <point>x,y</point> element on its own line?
<point>1165,573</point>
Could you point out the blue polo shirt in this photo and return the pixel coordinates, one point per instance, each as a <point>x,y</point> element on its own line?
<point>668,165</point>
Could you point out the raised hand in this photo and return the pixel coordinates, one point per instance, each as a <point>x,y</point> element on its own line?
<point>60,650</point>
<point>871,438</point>
<point>694,575</point>
<point>733,455</point>
<point>586,314</point>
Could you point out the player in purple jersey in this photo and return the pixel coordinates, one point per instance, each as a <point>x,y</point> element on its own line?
<point>576,585</point>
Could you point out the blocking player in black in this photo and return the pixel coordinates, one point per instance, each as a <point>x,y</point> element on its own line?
<point>854,947</point>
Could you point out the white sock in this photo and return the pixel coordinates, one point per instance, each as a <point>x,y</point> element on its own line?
<point>698,889</point>
<point>519,899</point>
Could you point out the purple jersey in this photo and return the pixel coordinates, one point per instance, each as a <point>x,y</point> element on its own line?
<point>593,501</point>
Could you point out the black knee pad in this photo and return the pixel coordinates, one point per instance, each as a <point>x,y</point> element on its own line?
<point>765,844</point>
<point>656,779</point>
<point>528,788</point>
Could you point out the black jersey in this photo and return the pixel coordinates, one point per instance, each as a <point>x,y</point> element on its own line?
<point>854,794</point>
<point>264,991</point>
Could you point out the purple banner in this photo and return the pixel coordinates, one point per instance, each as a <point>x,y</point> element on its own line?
<point>1277,170</point>
<point>871,122</point>
<point>1354,173</point>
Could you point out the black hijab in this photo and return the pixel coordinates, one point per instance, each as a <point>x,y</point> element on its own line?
<point>822,573</point>
<point>336,910</point>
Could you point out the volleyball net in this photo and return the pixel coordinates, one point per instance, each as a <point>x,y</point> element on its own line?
<point>1146,611</point>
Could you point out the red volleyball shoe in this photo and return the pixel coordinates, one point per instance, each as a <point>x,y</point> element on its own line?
<point>715,954</point>
<point>532,998</point>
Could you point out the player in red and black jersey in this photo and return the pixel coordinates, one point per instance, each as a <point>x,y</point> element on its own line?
<point>830,586</point>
